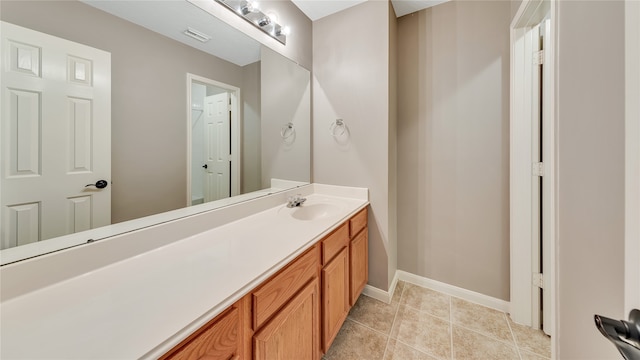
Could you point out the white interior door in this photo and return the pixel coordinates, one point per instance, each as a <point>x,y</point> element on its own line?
<point>534,45</point>
<point>56,136</point>
<point>217,116</point>
<point>542,151</point>
<point>548,195</point>
<point>532,167</point>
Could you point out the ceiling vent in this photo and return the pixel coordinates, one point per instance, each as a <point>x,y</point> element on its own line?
<point>198,35</point>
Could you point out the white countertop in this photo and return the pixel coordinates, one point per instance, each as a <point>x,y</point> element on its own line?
<point>141,306</point>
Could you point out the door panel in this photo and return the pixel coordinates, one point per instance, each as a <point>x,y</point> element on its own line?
<point>335,297</point>
<point>56,137</point>
<point>217,147</point>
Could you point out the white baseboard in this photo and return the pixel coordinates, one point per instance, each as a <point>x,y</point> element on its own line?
<point>468,295</point>
<point>382,295</point>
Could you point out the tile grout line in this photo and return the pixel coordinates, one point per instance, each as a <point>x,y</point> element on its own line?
<point>451,326</point>
<point>488,336</point>
<point>514,337</point>
<point>431,355</point>
<point>393,322</point>
<point>428,353</point>
<point>365,326</point>
<point>483,333</point>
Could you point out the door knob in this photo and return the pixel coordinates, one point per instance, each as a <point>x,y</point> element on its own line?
<point>100,184</point>
<point>205,166</point>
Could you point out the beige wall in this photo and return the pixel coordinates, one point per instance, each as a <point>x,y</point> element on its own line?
<point>590,174</point>
<point>351,81</point>
<point>453,145</point>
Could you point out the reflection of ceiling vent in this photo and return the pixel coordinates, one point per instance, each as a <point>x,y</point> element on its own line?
<point>200,36</point>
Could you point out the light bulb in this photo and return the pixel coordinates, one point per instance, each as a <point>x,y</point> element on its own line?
<point>273,16</point>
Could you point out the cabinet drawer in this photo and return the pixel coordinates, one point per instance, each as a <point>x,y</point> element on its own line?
<point>357,223</point>
<point>335,242</point>
<point>219,339</point>
<point>279,289</point>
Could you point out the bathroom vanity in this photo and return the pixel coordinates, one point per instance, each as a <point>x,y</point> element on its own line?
<point>261,281</point>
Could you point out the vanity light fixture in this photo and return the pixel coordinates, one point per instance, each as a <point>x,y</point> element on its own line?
<point>198,35</point>
<point>250,11</point>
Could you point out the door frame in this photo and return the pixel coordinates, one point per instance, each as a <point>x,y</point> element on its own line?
<point>236,138</point>
<point>531,13</point>
<point>632,155</point>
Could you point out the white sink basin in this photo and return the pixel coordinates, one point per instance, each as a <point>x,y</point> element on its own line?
<point>313,211</point>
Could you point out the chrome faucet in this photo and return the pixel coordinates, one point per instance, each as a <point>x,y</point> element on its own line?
<point>295,201</point>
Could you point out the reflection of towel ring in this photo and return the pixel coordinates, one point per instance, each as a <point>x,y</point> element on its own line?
<point>337,128</point>
<point>287,131</point>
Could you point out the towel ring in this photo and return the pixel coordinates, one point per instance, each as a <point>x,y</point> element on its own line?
<point>337,128</point>
<point>287,130</point>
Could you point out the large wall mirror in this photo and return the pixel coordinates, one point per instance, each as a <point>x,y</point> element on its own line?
<point>193,125</point>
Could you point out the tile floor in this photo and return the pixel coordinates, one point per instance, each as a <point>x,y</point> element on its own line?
<point>422,324</point>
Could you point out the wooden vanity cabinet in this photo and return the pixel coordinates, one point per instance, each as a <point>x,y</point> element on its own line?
<point>344,273</point>
<point>358,255</point>
<point>335,284</point>
<point>293,333</point>
<point>286,311</point>
<point>221,338</point>
<point>296,313</point>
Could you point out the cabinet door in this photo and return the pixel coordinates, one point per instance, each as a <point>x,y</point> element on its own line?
<point>358,262</point>
<point>293,333</point>
<point>335,297</point>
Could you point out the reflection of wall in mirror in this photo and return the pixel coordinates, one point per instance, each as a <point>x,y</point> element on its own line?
<point>284,102</point>
<point>148,98</point>
<point>251,139</point>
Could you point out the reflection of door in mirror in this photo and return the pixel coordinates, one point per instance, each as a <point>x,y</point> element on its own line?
<point>217,136</point>
<point>56,137</point>
<point>214,140</point>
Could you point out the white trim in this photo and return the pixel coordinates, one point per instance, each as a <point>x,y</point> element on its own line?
<point>451,290</point>
<point>378,294</point>
<point>549,181</point>
<point>236,129</point>
<point>519,190</point>
<point>632,155</point>
<point>384,296</point>
<point>531,13</point>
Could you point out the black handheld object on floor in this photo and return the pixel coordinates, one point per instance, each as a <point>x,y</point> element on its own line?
<point>625,335</point>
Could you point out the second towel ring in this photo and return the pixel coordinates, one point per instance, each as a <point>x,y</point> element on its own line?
<point>287,130</point>
<point>337,128</point>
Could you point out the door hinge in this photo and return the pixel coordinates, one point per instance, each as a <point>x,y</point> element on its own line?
<point>537,280</point>
<point>537,169</point>
<point>538,57</point>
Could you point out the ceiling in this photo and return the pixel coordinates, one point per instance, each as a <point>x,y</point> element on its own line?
<point>167,18</point>
<point>317,9</point>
